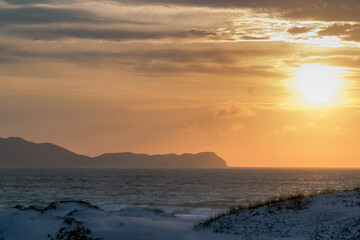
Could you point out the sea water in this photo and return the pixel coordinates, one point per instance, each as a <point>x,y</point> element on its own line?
<point>166,188</point>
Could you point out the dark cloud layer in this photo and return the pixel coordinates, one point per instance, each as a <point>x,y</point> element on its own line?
<point>298,30</point>
<point>335,30</point>
<point>168,61</point>
<point>348,32</point>
<point>330,10</point>
<point>32,2</point>
<point>45,23</point>
<point>39,15</point>
<point>355,35</point>
<point>46,15</point>
<point>115,34</point>
<point>16,2</point>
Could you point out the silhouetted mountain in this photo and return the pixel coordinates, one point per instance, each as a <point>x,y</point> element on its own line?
<point>17,152</point>
<point>132,160</point>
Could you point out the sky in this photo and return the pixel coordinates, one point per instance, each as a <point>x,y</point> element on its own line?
<point>263,83</point>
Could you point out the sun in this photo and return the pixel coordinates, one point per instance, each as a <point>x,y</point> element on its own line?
<point>318,85</point>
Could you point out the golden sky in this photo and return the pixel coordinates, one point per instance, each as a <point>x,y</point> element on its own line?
<point>262,83</point>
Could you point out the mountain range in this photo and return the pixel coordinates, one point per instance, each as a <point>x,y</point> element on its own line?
<point>20,153</point>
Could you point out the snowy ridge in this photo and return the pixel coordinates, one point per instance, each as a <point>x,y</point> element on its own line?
<point>325,216</point>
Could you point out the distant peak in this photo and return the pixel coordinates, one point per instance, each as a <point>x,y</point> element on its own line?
<point>208,153</point>
<point>14,139</point>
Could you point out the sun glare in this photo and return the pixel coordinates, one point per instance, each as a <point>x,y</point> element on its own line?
<point>318,85</point>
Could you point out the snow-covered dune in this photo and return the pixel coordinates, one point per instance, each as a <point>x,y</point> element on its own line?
<point>77,220</point>
<point>325,216</point>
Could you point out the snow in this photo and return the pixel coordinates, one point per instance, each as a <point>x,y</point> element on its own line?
<point>129,223</point>
<point>327,216</point>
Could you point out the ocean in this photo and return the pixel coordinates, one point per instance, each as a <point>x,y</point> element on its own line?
<point>166,188</point>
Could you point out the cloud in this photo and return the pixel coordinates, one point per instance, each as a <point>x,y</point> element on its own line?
<point>26,15</point>
<point>254,38</point>
<point>115,34</point>
<point>289,128</point>
<point>172,59</point>
<point>31,2</point>
<point>7,54</point>
<point>306,127</point>
<point>335,30</point>
<point>299,30</point>
<point>56,20</point>
<point>234,110</point>
<point>327,10</point>
<point>42,15</point>
<point>236,128</point>
<point>348,32</point>
<point>354,35</point>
